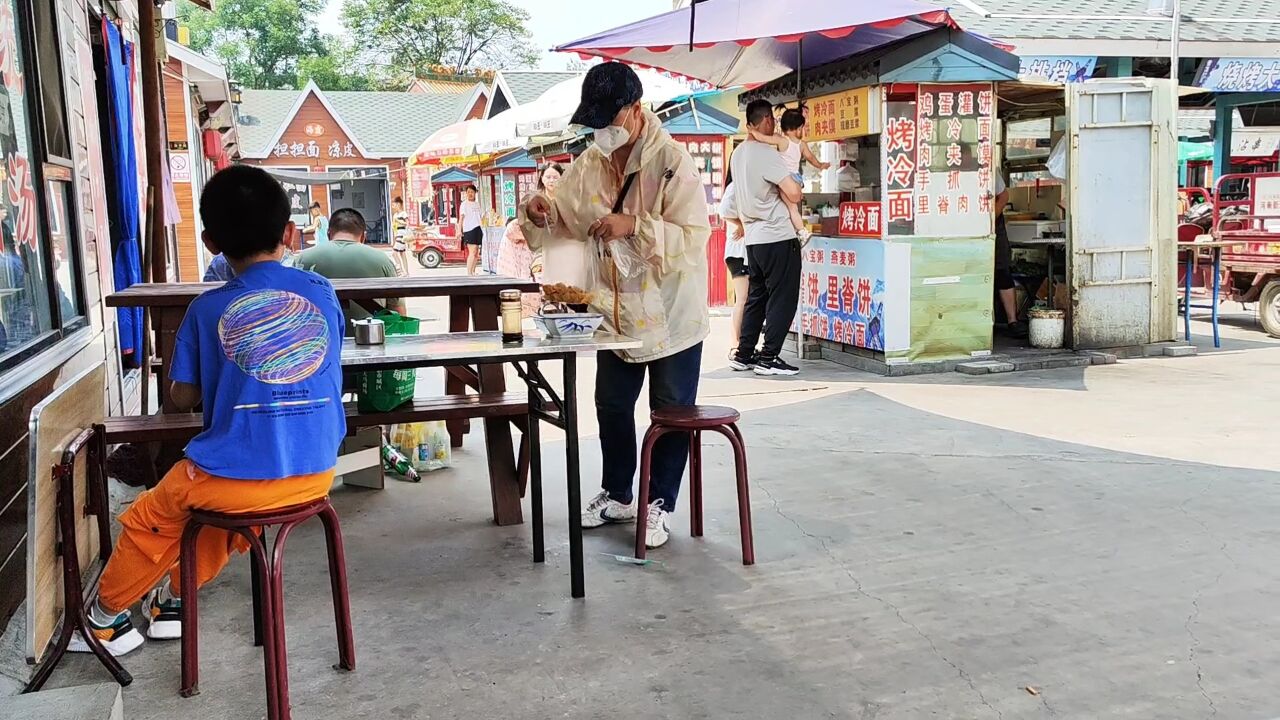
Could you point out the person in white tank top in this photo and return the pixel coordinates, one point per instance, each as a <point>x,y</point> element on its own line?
<point>790,143</point>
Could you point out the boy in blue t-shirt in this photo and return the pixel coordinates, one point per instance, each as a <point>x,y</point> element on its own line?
<point>262,354</point>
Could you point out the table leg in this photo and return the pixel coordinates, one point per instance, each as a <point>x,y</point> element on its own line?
<point>167,321</point>
<point>569,413</point>
<point>459,322</point>
<point>533,442</point>
<point>504,477</point>
<point>1186,301</point>
<point>1217,280</point>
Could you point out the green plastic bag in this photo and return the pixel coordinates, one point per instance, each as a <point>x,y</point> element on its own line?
<point>386,390</point>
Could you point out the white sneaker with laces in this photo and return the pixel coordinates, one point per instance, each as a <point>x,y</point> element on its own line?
<point>603,510</point>
<point>657,533</point>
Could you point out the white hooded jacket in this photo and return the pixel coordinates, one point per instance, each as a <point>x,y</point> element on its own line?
<point>665,306</point>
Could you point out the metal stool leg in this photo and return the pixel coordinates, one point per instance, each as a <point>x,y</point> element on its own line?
<point>642,498</point>
<point>255,580</point>
<point>744,493</point>
<point>341,598</point>
<point>190,590</point>
<point>695,482</point>
<point>275,589</point>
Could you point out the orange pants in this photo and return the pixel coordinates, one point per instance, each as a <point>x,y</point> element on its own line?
<point>151,533</point>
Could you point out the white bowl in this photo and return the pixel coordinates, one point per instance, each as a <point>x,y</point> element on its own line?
<point>569,325</point>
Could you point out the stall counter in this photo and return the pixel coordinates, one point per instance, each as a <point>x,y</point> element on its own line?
<point>907,299</point>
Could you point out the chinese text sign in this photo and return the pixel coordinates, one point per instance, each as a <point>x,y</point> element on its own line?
<point>842,115</point>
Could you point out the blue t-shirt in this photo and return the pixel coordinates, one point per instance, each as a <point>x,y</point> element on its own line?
<point>266,351</point>
<point>219,270</point>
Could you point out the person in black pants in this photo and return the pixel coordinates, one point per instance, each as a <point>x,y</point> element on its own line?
<point>762,188</point>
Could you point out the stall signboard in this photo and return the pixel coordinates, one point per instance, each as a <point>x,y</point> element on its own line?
<point>1060,69</point>
<point>860,219</point>
<point>842,292</point>
<point>1266,197</point>
<point>299,201</point>
<point>527,186</point>
<point>1240,75</point>
<point>954,160</point>
<point>708,159</point>
<point>842,115</point>
<point>509,197</point>
<point>898,168</point>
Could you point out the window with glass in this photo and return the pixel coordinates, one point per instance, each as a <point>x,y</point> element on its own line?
<point>40,284</point>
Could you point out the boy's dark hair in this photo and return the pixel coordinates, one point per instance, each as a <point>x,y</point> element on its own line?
<point>245,211</point>
<point>758,111</point>
<point>347,221</point>
<point>792,120</point>
<point>315,206</point>
<point>472,188</point>
<point>398,199</point>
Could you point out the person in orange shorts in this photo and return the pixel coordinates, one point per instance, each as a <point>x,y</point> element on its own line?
<point>262,354</point>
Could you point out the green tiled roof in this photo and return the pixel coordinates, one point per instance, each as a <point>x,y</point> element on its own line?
<point>386,124</point>
<point>528,85</point>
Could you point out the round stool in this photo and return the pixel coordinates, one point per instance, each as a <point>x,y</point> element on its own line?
<point>268,572</point>
<point>694,419</point>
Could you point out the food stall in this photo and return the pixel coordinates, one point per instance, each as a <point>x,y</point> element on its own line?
<point>900,267</point>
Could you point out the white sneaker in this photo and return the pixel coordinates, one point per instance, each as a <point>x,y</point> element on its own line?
<point>657,533</point>
<point>119,637</point>
<point>164,617</point>
<point>603,510</point>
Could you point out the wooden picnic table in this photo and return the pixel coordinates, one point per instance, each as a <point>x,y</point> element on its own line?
<point>473,305</point>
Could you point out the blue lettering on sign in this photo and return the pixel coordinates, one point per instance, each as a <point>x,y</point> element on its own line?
<point>1057,68</point>
<point>1240,75</point>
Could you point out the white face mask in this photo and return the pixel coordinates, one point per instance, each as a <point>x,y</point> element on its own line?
<point>610,139</point>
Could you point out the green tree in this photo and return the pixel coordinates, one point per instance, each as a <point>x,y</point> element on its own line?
<point>340,67</point>
<point>417,36</point>
<point>262,43</point>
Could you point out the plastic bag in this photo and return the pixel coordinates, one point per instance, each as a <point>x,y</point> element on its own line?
<point>425,444</point>
<point>386,390</point>
<point>626,258</point>
<point>1057,163</point>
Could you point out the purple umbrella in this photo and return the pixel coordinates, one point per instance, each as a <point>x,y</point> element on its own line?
<point>749,42</point>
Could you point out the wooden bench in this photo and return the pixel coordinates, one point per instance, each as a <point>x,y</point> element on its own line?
<point>180,427</point>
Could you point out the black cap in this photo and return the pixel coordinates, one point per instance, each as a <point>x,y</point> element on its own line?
<point>607,88</point>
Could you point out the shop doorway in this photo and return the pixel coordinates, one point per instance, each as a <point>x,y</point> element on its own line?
<point>367,195</point>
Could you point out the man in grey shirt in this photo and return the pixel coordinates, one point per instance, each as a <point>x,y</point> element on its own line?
<point>761,184</point>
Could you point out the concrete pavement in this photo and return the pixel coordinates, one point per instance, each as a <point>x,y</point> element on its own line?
<point>927,548</point>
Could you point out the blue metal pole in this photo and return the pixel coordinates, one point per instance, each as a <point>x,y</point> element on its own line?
<point>1217,279</point>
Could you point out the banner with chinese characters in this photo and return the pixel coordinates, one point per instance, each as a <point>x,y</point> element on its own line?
<point>860,219</point>
<point>1060,69</point>
<point>1240,75</point>
<point>314,150</point>
<point>954,160</point>
<point>842,115</point>
<point>842,292</point>
<point>898,168</point>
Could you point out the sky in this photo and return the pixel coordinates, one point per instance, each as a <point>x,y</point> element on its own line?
<point>552,22</point>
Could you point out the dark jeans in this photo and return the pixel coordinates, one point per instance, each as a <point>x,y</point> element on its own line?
<point>673,380</point>
<point>773,298</point>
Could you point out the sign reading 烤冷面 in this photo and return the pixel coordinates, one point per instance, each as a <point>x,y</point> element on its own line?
<point>898,167</point>
<point>1240,75</point>
<point>860,219</point>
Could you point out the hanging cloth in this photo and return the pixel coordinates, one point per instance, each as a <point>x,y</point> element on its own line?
<point>126,254</point>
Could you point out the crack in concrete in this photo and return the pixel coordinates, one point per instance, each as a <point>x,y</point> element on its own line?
<point>858,588</point>
<point>1193,646</point>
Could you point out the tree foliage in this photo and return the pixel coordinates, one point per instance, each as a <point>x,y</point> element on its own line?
<point>262,43</point>
<point>414,36</point>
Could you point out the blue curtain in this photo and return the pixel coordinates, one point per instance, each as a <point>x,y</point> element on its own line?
<point>124,163</point>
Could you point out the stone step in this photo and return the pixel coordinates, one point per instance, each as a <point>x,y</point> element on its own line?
<point>84,702</point>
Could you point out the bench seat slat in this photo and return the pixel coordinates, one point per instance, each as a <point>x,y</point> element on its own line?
<point>184,426</point>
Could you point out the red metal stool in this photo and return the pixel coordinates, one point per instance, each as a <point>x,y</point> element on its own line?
<point>694,419</point>
<point>268,571</point>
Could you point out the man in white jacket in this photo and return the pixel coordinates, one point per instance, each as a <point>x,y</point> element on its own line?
<point>637,194</point>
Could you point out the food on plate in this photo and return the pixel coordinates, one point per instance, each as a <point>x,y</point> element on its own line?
<point>565,294</point>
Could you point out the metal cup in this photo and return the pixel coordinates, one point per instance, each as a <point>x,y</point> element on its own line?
<point>370,331</point>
